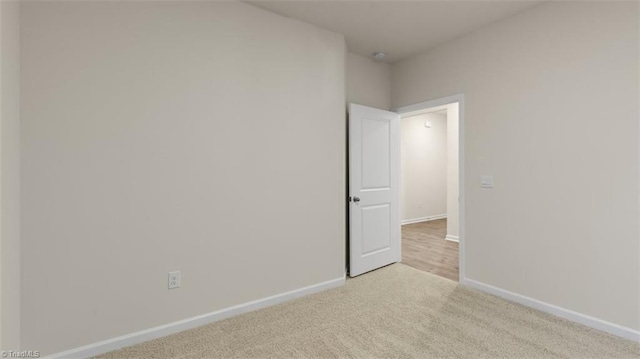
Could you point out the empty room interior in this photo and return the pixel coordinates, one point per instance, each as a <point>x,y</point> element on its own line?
<point>320,179</point>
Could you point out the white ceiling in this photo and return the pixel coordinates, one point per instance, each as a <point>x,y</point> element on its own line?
<point>401,28</point>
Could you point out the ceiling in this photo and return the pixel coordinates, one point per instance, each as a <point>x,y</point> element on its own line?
<point>400,28</point>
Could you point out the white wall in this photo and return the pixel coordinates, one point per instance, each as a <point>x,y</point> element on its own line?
<point>453,180</point>
<point>423,167</point>
<point>552,112</point>
<point>205,137</point>
<point>10,175</point>
<point>368,82</point>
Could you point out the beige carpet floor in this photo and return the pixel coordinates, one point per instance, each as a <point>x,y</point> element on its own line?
<point>393,312</point>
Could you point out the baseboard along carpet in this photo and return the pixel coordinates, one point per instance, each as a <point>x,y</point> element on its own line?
<point>393,312</point>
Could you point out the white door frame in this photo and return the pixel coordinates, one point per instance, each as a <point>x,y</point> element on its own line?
<point>459,98</point>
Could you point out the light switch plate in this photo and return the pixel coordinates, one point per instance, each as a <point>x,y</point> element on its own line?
<point>486,181</point>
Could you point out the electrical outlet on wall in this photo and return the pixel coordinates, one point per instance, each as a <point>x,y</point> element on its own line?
<point>174,280</point>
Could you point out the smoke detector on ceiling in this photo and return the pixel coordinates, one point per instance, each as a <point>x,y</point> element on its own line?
<point>379,55</point>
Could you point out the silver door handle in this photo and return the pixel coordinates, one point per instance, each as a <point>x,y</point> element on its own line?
<point>356,199</point>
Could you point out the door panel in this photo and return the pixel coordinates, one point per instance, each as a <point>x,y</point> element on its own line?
<point>375,154</point>
<point>374,160</point>
<point>375,228</point>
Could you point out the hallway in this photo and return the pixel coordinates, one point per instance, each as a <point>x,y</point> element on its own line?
<point>424,248</point>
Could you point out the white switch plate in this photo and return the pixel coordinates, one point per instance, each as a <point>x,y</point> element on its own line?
<point>486,181</point>
<point>174,280</point>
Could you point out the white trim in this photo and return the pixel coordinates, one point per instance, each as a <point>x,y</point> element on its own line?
<point>425,111</point>
<point>423,219</point>
<point>420,107</point>
<point>452,238</point>
<point>589,321</point>
<point>179,326</point>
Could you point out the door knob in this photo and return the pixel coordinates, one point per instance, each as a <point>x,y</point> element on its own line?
<point>356,199</point>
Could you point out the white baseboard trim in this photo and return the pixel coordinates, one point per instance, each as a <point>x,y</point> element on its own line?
<point>452,238</point>
<point>182,325</point>
<point>583,319</point>
<point>423,219</point>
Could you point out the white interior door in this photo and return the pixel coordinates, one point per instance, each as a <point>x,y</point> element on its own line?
<point>374,170</point>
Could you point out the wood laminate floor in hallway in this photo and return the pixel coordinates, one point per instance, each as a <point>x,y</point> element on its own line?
<point>424,248</point>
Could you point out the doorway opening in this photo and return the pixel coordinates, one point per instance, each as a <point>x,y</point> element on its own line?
<point>430,186</point>
<point>374,172</point>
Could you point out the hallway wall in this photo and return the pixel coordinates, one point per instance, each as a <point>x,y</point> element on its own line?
<point>423,167</point>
